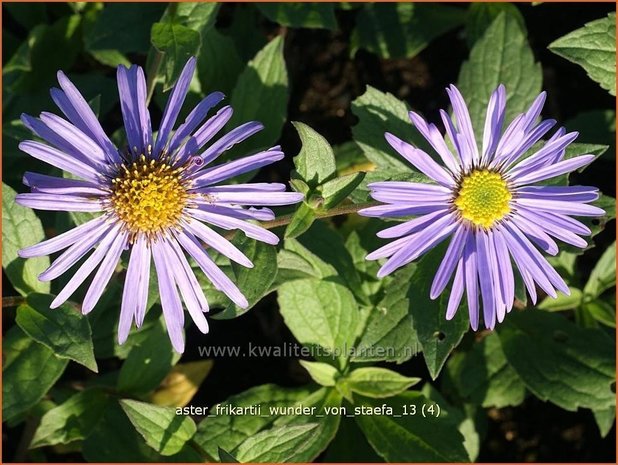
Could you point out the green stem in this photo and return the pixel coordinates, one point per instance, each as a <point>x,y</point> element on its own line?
<point>342,210</point>
<point>157,56</point>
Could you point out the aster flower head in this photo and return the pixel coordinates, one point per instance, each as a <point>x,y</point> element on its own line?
<point>158,198</point>
<point>486,201</point>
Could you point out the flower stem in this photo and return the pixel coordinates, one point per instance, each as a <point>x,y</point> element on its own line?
<point>342,210</point>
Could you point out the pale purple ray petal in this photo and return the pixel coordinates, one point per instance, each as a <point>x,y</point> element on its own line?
<point>543,156</point>
<point>499,287</point>
<point>409,187</point>
<point>204,134</point>
<point>411,226</point>
<point>104,273</point>
<point>196,116</point>
<point>189,287</point>
<point>464,124</point>
<point>389,249</point>
<point>551,171</point>
<point>76,251</point>
<point>534,111</point>
<point>131,292</point>
<point>233,168</point>
<point>421,161</point>
<point>44,132</point>
<point>526,143</point>
<point>512,138</point>
<point>214,274</point>
<point>174,104</point>
<point>486,280</point>
<point>62,241</point>
<point>525,261</point>
<point>571,193</point>
<point>86,119</point>
<point>542,263</point>
<point>432,135</point>
<point>471,277</point>
<point>454,298</point>
<point>60,160</point>
<point>558,226</point>
<point>259,198</point>
<point>402,210</point>
<point>217,242</point>
<point>505,271</point>
<point>493,123</point>
<point>144,282</point>
<point>54,185</point>
<point>409,198</point>
<point>235,136</point>
<point>132,91</point>
<point>89,149</point>
<point>170,300</point>
<point>87,267</point>
<point>251,230</point>
<point>236,211</point>
<point>421,243</point>
<point>450,260</point>
<point>563,207</point>
<point>540,237</point>
<point>253,187</point>
<point>451,132</point>
<point>57,202</point>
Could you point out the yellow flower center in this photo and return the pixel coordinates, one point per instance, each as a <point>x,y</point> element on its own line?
<point>148,196</point>
<point>483,198</point>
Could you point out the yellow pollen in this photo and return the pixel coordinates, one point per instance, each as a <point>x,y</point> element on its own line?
<point>148,196</point>
<point>483,198</point>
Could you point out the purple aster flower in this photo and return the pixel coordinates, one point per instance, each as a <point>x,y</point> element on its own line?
<point>486,200</point>
<point>154,197</point>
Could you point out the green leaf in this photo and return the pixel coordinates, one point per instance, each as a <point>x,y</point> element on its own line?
<point>324,248</point>
<point>29,370</point>
<point>315,162</point>
<point>377,113</point>
<point>605,419</point>
<point>389,333</point>
<point>178,43</point>
<point>326,403</point>
<point>603,275</point>
<point>220,64</point>
<point>481,15</point>
<point>112,58</point>
<point>226,431</point>
<point>162,429</point>
<point>63,330</point>
<point>398,30</point>
<point>559,361</point>
<point>411,438</point>
<point>322,373</point>
<point>148,362</point>
<point>21,228</point>
<point>562,302</point>
<point>199,16</point>
<point>484,376</point>
<point>276,445</point>
<point>501,56</point>
<point>436,335</point>
<point>593,47</point>
<point>308,15</point>
<point>72,420</point>
<point>378,382</point>
<point>115,436</point>
<point>301,221</point>
<point>323,314</point>
<point>602,312</point>
<point>121,28</point>
<point>291,266</point>
<point>337,190</point>
<point>254,282</point>
<point>265,79</point>
<point>226,457</point>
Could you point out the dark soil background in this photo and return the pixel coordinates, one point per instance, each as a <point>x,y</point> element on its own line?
<point>324,81</point>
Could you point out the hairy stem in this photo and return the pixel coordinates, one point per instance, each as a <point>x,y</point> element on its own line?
<point>13,301</point>
<point>342,210</point>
